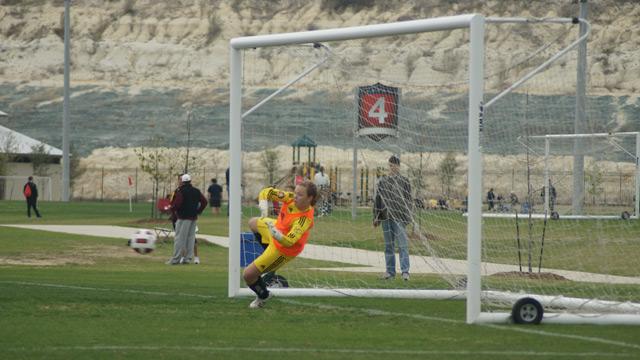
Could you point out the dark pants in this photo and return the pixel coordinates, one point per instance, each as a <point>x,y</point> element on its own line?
<point>31,203</point>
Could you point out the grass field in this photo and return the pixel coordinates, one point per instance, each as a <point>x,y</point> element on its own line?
<point>77,297</point>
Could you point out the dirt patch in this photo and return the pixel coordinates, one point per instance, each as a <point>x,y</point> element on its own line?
<point>534,276</point>
<point>85,255</point>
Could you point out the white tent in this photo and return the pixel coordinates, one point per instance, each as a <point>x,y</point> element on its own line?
<point>24,144</point>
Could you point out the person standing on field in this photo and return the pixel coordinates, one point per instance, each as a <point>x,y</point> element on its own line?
<point>491,198</point>
<point>187,203</point>
<point>30,191</point>
<point>215,196</point>
<point>392,209</point>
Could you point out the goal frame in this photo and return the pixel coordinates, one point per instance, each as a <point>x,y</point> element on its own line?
<point>547,149</point>
<point>475,24</point>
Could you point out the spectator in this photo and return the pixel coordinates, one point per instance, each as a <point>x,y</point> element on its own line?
<point>30,192</point>
<point>173,217</point>
<point>513,199</point>
<point>392,208</point>
<point>491,198</point>
<point>323,183</point>
<point>552,196</point>
<point>215,196</point>
<point>187,203</point>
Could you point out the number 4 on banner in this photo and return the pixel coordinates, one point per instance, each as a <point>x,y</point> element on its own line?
<point>377,110</point>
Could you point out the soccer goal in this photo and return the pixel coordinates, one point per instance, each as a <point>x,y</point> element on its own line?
<point>607,188</point>
<point>454,109</point>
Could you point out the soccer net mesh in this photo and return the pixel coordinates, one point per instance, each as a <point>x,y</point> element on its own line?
<point>318,121</point>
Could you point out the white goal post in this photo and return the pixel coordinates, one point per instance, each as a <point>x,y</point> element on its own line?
<point>475,24</point>
<point>475,109</point>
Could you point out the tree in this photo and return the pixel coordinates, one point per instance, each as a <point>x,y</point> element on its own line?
<point>448,167</point>
<point>8,149</point>
<point>157,162</point>
<point>270,161</point>
<point>594,177</point>
<point>40,159</point>
<point>75,169</point>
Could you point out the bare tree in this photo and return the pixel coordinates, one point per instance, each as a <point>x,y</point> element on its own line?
<point>40,159</point>
<point>448,167</point>
<point>270,161</point>
<point>8,149</point>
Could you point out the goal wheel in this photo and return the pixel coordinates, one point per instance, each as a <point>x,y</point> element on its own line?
<point>527,311</point>
<point>625,215</point>
<point>275,281</point>
<point>555,215</point>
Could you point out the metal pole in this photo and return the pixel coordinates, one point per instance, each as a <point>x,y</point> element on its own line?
<point>546,175</point>
<point>235,170</point>
<point>66,170</point>
<point>580,118</point>
<point>636,197</point>
<point>354,169</point>
<point>475,117</point>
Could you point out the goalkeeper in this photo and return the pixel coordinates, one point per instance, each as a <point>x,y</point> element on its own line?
<point>284,237</point>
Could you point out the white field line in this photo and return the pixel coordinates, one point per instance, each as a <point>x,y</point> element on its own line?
<point>213,349</point>
<point>370,261</point>
<point>369,312</point>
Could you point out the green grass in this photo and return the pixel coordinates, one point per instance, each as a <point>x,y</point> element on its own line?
<point>98,299</point>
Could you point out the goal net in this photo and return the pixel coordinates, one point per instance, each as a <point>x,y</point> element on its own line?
<point>339,100</point>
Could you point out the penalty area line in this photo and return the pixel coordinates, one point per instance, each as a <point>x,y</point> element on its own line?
<point>128,291</point>
<point>218,349</point>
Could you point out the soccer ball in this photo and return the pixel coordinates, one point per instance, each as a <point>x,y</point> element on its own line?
<point>143,241</point>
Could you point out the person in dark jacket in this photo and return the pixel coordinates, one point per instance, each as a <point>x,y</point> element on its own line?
<point>186,205</point>
<point>31,194</point>
<point>392,208</point>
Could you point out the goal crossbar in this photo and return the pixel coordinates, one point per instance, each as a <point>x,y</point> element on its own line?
<point>474,22</point>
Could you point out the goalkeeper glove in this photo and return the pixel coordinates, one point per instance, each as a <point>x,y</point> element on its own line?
<point>264,208</point>
<point>274,232</point>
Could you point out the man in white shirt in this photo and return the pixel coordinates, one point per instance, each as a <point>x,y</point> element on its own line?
<point>323,183</point>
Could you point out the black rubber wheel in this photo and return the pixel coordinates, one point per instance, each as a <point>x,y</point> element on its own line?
<point>275,281</point>
<point>555,215</point>
<point>527,311</point>
<point>625,215</point>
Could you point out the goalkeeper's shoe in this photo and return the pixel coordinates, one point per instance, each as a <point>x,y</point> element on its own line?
<point>259,303</point>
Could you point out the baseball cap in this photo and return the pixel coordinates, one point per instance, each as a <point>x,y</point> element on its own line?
<point>394,160</point>
<point>186,178</point>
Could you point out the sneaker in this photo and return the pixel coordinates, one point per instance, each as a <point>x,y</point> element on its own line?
<point>405,276</point>
<point>171,262</point>
<point>387,276</point>
<point>259,303</point>
<point>196,260</point>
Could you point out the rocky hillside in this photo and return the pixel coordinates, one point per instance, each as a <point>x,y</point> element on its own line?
<point>183,43</point>
<point>136,64</point>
